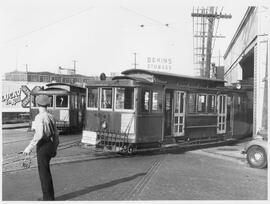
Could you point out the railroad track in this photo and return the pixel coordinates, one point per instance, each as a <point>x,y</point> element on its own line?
<point>16,159</point>
<point>15,141</point>
<point>134,190</point>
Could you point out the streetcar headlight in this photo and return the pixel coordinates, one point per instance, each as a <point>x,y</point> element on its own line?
<point>104,125</point>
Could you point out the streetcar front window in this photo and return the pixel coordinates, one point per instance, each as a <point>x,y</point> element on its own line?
<point>124,98</point>
<point>62,101</point>
<point>106,98</point>
<point>34,104</point>
<point>92,98</point>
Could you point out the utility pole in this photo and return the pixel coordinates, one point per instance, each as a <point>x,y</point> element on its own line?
<point>74,62</point>
<point>135,60</point>
<point>202,52</point>
<point>209,43</point>
<point>26,67</point>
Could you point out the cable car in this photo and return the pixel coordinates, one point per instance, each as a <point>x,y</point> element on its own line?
<point>143,109</point>
<point>67,105</point>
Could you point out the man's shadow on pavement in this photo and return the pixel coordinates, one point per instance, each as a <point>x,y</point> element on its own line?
<point>97,187</point>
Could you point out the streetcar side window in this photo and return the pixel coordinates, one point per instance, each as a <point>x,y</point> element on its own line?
<point>81,101</point>
<point>92,98</point>
<point>211,104</point>
<point>72,102</point>
<point>124,98</point>
<point>62,101</point>
<point>156,101</point>
<point>146,100</point>
<point>201,103</point>
<point>106,98</point>
<point>76,102</point>
<point>192,103</point>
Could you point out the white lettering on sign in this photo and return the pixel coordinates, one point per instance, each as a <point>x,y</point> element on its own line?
<point>16,95</point>
<point>159,63</point>
<point>12,98</point>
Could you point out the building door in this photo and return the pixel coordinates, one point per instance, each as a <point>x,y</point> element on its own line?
<point>179,113</point>
<point>222,114</point>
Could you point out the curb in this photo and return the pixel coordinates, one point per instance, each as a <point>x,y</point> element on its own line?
<point>217,155</point>
<point>15,127</point>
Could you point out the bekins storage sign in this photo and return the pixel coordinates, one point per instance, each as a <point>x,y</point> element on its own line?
<point>159,63</point>
<point>16,95</point>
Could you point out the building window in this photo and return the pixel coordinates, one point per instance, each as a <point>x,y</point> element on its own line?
<point>44,78</point>
<point>92,98</point>
<point>124,98</point>
<point>33,78</point>
<point>67,80</point>
<point>56,79</point>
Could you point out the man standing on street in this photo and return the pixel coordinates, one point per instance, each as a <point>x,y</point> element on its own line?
<point>46,140</point>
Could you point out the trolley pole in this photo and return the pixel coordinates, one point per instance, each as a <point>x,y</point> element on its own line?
<point>135,60</point>
<point>74,62</point>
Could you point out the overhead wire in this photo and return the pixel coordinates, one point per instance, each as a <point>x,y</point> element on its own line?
<point>48,25</point>
<point>147,17</point>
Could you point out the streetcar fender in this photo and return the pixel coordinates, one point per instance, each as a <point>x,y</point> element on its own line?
<point>256,142</point>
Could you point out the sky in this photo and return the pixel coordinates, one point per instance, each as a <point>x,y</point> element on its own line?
<point>103,35</point>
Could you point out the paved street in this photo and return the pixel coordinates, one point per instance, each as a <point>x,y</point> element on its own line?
<point>81,173</point>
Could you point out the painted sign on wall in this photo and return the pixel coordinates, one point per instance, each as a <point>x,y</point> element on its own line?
<point>16,95</point>
<point>159,63</point>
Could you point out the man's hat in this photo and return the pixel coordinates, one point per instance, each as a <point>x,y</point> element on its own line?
<point>43,100</point>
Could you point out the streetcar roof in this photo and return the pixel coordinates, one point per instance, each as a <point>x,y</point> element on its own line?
<point>51,91</point>
<point>63,84</point>
<point>166,74</point>
<point>120,81</point>
<point>137,79</point>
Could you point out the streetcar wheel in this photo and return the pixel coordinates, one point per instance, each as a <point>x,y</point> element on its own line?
<point>130,150</point>
<point>256,157</point>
